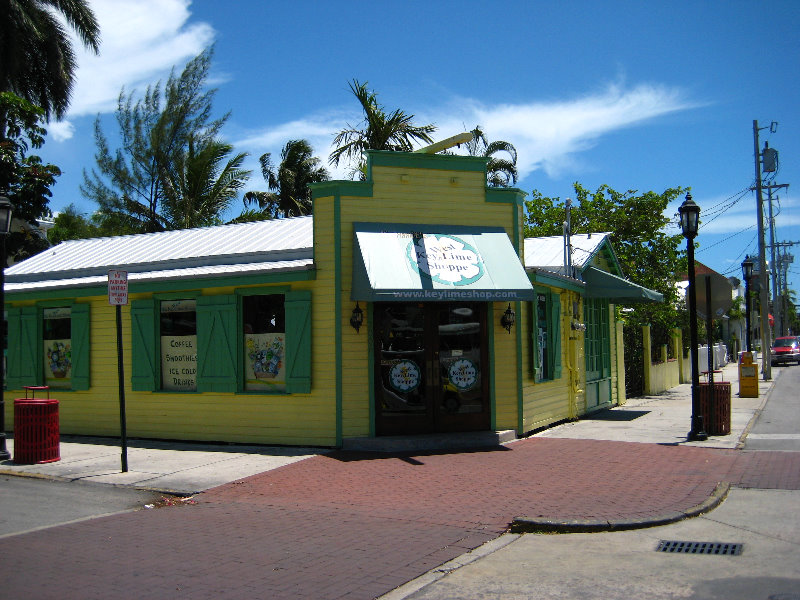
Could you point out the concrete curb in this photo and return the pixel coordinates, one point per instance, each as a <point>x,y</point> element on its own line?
<point>531,525</point>
<point>434,575</point>
<point>52,477</point>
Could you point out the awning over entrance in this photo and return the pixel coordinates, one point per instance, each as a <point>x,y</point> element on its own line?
<point>429,263</point>
<point>600,284</point>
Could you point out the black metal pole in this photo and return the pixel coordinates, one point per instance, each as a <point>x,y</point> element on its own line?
<point>747,310</point>
<point>4,453</point>
<point>697,432</point>
<point>120,370</point>
<point>710,340</point>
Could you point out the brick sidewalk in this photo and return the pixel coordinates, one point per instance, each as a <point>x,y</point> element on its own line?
<point>349,525</point>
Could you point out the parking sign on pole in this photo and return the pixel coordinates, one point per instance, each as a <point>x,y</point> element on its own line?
<point>118,296</point>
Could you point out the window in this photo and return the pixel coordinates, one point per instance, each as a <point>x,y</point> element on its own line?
<point>597,340</point>
<point>48,345</point>
<point>546,336</point>
<point>541,347</point>
<point>274,328</point>
<point>57,334</point>
<point>179,345</point>
<point>264,335</point>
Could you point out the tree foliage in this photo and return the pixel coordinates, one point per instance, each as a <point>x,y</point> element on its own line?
<point>70,224</point>
<point>24,179</point>
<point>289,194</point>
<point>131,184</point>
<point>647,253</point>
<point>380,129</point>
<point>202,185</point>
<point>37,60</point>
<point>501,171</point>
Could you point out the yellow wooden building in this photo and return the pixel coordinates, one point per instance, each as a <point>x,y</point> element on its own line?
<point>408,304</point>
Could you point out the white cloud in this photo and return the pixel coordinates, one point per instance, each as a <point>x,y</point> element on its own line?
<point>318,129</point>
<point>60,130</point>
<point>551,136</point>
<point>141,40</point>
<point>547,136</point>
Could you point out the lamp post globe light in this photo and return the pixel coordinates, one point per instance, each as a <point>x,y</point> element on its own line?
<point>6,210</point>
<point>690,221</point>
<point>747,273</point>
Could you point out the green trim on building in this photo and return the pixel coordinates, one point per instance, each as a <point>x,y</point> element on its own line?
<point>25,360</point>
<point>176,285</point>
<point>262,291</point>
<point>371,367</point>
<point>337,308</point>
<point>555,281</point>
<point>608,251</point>
<point>341,187</point>
<point>24,357</point>
<point>145,356</point>
<point>298,342</point>
<point>80,327</point>
<point>553,324</point>
<point>218,343</point>
<point>505,195</point>
<point>493,370</point>
<point>519,245</point>
<point>416,160</point>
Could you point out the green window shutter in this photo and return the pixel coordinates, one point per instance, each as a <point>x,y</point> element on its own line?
<point>555,334</point>
<point>535,335</point>
<point>605,339</point>
<point>144,348</point>
<point>80,346</point>
<point>24,357</point>
<point>298,342</point>
<point>216,340</point>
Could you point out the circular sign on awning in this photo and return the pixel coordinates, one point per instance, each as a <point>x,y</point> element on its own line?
<point>445,259</point>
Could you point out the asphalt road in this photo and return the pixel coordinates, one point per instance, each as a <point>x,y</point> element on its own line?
<point>778,425</point>
<point>28,504</point>
<point>624,565</point>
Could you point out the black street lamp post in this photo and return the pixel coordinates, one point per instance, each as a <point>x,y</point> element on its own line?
<point>747,272</point>
<point>6,209</point>
<point>690,220</point>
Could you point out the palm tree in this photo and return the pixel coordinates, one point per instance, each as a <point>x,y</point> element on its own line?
<point>379,130</point>
<point>202,185</point>
<point>289,194</point>
<point>500,172</point>
<point>37,61</point>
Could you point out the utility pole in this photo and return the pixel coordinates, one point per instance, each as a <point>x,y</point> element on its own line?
<point>784,261</point>
<point>777,305</point>
<point>766,359</point>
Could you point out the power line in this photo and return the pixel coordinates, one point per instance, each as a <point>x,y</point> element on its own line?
<point>704,248</point>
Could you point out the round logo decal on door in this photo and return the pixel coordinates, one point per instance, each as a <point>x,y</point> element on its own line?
<point>404,376</point>
<point>463,374</point>
<point>445,259</point>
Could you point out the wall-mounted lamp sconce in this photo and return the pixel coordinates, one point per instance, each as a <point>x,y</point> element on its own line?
<point>576,326</point>
<point>357,318</point>
<point>508,318</point>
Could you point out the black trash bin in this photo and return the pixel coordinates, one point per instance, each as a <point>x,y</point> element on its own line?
<point>717,421</point>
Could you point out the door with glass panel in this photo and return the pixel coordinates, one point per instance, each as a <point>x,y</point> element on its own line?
<point>431,368</point>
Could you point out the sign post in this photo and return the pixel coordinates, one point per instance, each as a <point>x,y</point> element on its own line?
<point>118,296</point>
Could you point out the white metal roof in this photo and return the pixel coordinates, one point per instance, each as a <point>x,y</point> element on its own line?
<point>548,252</point>
<point>276,245</point>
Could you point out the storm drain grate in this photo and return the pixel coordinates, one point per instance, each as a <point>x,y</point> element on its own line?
<point>678,547</point>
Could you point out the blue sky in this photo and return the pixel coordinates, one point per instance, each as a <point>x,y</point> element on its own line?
<point>636,95</point>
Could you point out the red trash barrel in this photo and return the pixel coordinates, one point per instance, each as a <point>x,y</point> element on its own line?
<point>36,429</point>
